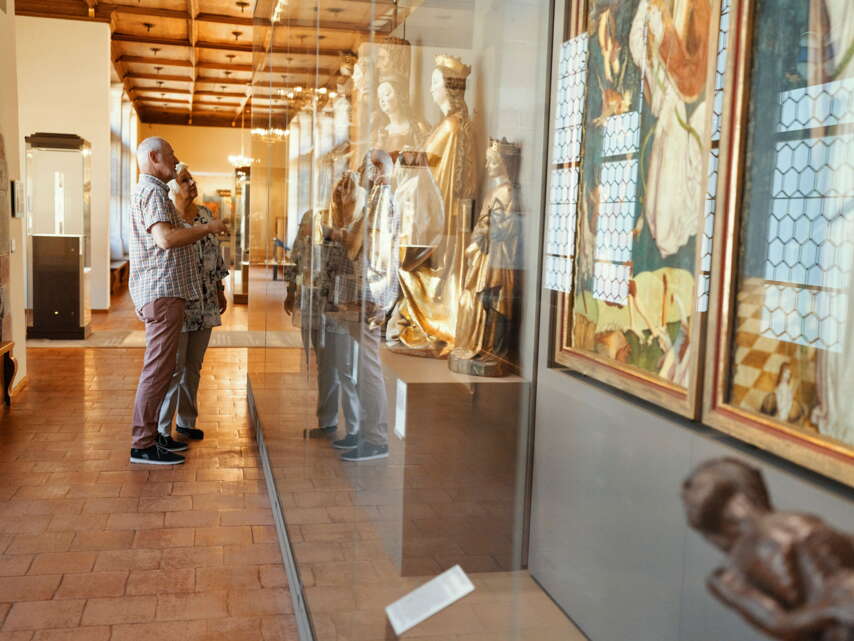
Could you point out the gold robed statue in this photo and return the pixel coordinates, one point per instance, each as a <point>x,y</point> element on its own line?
<point>488,310</point>
<point>424,322</point>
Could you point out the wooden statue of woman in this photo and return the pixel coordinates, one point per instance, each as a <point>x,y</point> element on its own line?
<point>487,311</point>
<point>425,320</point>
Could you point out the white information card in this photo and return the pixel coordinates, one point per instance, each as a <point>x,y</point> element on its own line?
<point>425,601</point>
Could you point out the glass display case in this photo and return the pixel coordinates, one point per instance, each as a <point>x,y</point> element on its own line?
<point>408,139</point>
<point>240,236</point>
<point>58,206</point>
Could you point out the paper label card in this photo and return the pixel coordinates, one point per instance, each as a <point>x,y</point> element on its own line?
<point>429,599</point>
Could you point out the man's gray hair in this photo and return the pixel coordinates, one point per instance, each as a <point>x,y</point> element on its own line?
<point>155,143</point>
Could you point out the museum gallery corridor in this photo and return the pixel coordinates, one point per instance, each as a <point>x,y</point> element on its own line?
<point>93,548</point>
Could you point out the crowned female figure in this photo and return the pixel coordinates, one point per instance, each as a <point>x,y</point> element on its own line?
<point>426,317</point>
<point>489,298</point>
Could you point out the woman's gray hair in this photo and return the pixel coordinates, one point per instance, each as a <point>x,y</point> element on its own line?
<point>174,187</point>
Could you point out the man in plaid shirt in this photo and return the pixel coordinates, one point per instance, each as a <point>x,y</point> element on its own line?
<point>163,274</point>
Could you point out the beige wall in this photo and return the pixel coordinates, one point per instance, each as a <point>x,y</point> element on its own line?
<point>204,149</point>
<point>64,87</point>
<point>9,130</point>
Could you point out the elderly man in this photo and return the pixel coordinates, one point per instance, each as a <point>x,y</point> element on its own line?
<point>163,275</point>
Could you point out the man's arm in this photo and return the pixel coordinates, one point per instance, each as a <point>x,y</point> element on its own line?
<point>167,236</point>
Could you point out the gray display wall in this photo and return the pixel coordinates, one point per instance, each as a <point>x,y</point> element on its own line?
<point>608,534</point>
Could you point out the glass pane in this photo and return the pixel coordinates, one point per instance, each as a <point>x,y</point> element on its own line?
<point>793,325</point>
<point>397,157</point>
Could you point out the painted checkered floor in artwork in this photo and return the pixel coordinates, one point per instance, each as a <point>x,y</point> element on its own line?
<point>758,358</point>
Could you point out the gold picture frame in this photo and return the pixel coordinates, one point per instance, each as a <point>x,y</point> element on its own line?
<point>681,399</point>
<point>818,453</point>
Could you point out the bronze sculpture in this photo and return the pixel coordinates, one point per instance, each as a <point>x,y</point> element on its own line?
<point>789,574</point>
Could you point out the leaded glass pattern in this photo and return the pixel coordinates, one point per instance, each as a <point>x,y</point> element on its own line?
<point>563,191</point>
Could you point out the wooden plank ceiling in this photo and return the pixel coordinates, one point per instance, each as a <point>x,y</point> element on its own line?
<point>222,62</point>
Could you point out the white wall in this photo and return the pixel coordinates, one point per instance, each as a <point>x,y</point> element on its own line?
<point>10,131</point>
<point>205,150</point>
<point>64,87</point>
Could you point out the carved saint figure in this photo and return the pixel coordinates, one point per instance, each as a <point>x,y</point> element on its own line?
<point>791,575</point>
<point>426,317</point>
<point>492,263</point>
<point>402,129</point>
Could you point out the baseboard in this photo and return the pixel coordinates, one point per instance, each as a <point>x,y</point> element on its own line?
<point>20,385</point>
<point>303,621</point>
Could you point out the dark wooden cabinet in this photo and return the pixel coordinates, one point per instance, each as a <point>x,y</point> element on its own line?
<point>60,308</point>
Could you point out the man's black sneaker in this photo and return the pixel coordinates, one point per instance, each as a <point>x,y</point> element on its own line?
<point>155,455</point>
<point>366,452</point>
<point>191,432</point>
<point>170,444</point>
<point>321,432</point>
<point>347,443</point>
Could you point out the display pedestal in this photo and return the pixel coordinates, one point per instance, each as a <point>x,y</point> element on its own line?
<point>450,491</point>
<point>240,284</point>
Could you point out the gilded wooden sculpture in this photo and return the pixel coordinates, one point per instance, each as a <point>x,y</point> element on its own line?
<point>488,311</point>
<point>425,320</point>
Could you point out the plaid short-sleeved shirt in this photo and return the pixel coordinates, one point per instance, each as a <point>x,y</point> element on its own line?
<point>154,272</point>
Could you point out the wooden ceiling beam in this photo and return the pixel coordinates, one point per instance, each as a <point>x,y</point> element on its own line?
<point>221,81</point>
<point>223,94</point>
<point>65,9</point>
<point>152,60</point>
<point>193,32</point>
<point>157,76</point>
<point>243,47</point>
<point>139,90</point>
<point>150,40</point>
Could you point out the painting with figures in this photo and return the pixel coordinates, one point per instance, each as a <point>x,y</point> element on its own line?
<point>786,290</point>
<point>631,317</point>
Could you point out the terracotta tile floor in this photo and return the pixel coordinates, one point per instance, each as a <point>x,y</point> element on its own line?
<point>96,549</point>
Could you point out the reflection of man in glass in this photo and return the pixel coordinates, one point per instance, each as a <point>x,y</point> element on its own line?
<point>372,242</point>
<point>332,344</point>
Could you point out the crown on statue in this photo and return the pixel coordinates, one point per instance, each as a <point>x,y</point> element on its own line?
<point>505,147</point>
<point>511,155</point>
<point>452,67</point>
<point>453,70</point>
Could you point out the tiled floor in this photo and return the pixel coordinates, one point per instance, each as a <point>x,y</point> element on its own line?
<point>93,548</point>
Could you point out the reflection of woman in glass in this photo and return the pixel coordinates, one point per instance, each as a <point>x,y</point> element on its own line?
<point>402,130</point>
<point>669,41</point>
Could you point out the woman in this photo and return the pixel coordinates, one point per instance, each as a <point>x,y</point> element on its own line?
<point>200,317</point>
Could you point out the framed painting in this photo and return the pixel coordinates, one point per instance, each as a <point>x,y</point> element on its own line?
<point>781,337</point>
<point>630,183</point>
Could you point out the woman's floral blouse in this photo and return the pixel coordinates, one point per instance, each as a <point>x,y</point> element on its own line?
<point>204,313</point>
